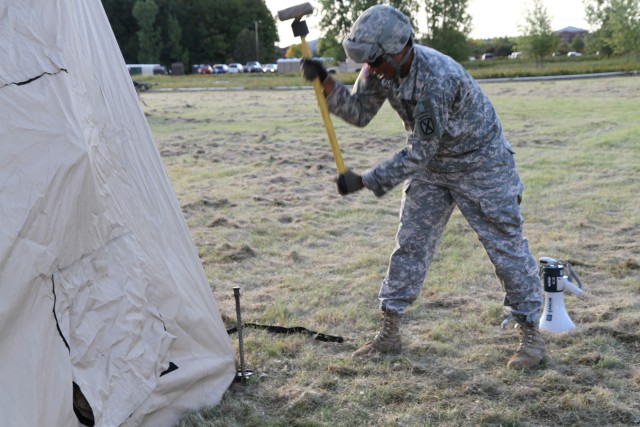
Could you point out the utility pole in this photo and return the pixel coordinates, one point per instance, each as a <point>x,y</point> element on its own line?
<point>257,44</point>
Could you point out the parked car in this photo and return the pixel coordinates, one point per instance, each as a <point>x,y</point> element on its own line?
<point>515,55</point>
<point>235,68</point>
<point>160,69</point>
<point>253,67</point>
<point>270,68</point>
<point>486,56</point>
<point>220,68</point>
<point>204,69</point>
<point>574,54</point>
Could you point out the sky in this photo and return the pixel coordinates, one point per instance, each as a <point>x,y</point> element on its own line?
<point>490,18</point>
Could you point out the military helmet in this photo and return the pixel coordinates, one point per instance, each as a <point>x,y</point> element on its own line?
<point>380,30</point>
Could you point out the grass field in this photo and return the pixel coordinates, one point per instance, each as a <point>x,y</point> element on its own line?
<point>254,175</point>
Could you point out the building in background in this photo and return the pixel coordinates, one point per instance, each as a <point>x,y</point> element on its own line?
<point>568,34</point>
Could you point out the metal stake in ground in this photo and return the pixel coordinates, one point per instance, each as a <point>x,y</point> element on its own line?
<point>242,373</point>
<point>301,30</point>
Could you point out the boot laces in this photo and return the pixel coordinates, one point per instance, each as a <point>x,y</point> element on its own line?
<point>387,327</point>
<point>527,336</point>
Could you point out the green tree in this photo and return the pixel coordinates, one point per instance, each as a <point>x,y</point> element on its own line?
<point>245,46</point>
<point>124,26</point>
<point>294,51</point>
<point>227,19</point>
<point>577,44</point>
<point>477,47</point>
<point>149,40</point>
<point>448,25</point>
<point>618,23</point>
<point>503,46</point>
<point>211,29</point>
<point>338,16</point>
<point>449,41</point>
<point>178,53</point>
<point>599,43</point>
<point>538,39</point>
<point>329,47</point>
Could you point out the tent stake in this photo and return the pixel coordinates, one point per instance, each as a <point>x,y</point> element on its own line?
<point>242,374</point>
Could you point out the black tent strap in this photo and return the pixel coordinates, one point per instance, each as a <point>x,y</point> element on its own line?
<point>172,367</point>
<point>293,330</point>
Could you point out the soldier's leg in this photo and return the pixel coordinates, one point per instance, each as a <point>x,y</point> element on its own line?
<point>498,223</point>
<point>424,212</point>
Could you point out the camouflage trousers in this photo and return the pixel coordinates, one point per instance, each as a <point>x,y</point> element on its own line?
<point>489,200</point>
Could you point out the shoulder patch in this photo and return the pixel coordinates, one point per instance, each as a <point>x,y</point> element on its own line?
<point>426,122</point>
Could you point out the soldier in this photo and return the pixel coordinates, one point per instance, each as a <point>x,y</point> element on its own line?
<point>456,155</point>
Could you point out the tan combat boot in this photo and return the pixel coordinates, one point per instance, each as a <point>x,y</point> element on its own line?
<point>531,350</point>
<point>386,341</point>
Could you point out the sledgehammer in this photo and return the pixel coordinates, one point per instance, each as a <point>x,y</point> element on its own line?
<point>301,30</point>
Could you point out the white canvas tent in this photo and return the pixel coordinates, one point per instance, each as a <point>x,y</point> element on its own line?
<point>100,282</point>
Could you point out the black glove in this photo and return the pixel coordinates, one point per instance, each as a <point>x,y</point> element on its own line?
<point>312,68</point>
<point>349,182</point>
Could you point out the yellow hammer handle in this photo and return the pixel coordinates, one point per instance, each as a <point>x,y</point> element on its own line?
<point>324,110</point>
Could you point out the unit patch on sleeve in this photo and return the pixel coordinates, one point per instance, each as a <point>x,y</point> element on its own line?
<point>426,122</point>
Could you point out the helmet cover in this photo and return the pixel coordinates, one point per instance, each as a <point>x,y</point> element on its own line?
<point>378,30</point>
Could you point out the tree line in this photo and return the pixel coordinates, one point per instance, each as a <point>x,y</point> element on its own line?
<point>193,31</point>
<point>224,31</point>
<point>617,24</point>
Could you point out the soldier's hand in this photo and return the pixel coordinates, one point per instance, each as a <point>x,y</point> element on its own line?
<point>312,68</point>
<point>349,182</point>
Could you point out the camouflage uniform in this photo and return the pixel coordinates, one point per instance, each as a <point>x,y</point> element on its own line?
<point>456,155</point>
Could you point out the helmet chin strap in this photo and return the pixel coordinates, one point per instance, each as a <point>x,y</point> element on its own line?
<point>398,65</point>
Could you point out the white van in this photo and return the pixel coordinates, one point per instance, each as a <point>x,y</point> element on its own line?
<point>146,69</point>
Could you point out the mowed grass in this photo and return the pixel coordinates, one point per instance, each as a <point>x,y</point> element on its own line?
<point>254,173</point>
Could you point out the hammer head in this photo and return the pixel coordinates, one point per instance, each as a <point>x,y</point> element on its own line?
<point>295,12</point>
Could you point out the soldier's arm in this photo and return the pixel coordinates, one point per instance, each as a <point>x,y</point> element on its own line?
<point>359,106</point>
<point>431,116</point>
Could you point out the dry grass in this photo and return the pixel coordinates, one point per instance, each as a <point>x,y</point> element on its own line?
<point>253,173</point>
